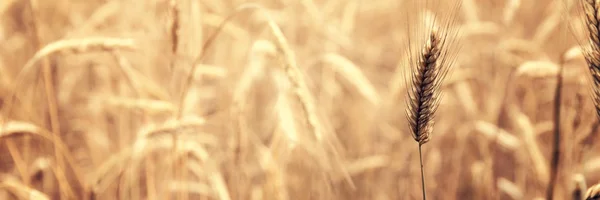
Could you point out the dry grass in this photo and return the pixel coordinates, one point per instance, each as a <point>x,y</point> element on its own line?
<point>186,99</point>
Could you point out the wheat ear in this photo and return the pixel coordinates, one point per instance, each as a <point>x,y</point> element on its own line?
<point>555,160</point>
<point>592,55</point>
<point>427,75</point>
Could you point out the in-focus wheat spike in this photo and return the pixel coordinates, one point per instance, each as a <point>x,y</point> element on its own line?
<point>593,193</point>
<point>427,75</point>
<point>423,97</point>
<point>592,55</point>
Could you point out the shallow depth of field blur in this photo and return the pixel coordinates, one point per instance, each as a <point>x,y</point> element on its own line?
<point>106,120</point>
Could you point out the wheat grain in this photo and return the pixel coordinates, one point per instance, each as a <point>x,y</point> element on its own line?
<point>556,144</point>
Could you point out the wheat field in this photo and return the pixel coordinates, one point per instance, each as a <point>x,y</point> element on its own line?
<point>306,99</point>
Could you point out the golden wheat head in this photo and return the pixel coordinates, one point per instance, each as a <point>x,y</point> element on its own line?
<point>592,55</point>
<point>427,76</point>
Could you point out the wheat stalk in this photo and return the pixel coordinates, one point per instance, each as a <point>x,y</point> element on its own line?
<point>555,160</point>
<point>427,75</point>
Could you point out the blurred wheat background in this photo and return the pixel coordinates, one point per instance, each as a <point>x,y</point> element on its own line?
<point>232,100</point>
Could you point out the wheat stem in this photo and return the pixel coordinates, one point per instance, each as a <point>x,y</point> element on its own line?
<point>554,162</point>
<point>422,173</point>
<point>423,99</point>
